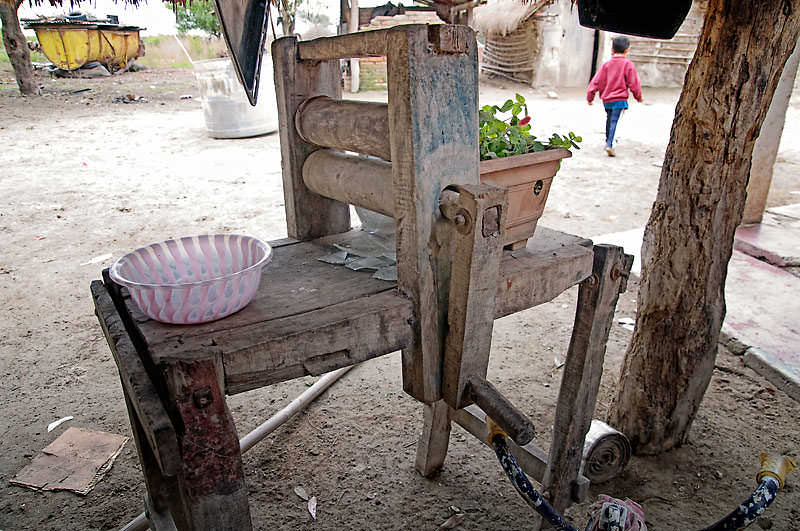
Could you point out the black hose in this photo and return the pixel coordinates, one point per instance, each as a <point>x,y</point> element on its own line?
<point>524,487</point>
<point>750,509</point>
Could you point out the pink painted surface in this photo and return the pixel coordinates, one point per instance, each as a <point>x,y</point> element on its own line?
<point>763,309</point>
<point>194,279</point>
<point>778,245</point>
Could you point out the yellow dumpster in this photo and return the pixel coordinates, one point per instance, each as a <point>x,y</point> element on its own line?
<point>70,44</point>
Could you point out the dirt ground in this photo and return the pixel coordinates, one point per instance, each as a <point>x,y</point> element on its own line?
<point>82,177</point>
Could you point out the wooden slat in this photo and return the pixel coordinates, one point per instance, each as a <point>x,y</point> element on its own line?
<point>530,278</point>
<point>597,299</point>
<point>153,418</point>
<point>532,459</point>
<point>308,215</point>
<point>478,247</point>
<point>317,342</point>
<point>293,283</point>
<point>361,44</point>
<point>433,118</point>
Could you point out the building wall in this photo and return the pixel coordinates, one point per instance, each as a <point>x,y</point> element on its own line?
<point>567,49</point>
<point>566,58</point>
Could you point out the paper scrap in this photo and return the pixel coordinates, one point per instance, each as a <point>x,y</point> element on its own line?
<point>300,491</point>
<point>59,422</point>
<point>369,262</point>
<point>76,461</point>
<point>312,507</point>
<point>386,273</point>
<point>98,259</point>
<point>337,258</point>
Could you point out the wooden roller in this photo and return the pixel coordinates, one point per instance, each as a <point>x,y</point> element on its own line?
<point>358,126</point>
<point>350,179</point>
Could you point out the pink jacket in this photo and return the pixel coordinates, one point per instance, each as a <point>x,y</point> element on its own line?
<point>613,80</point>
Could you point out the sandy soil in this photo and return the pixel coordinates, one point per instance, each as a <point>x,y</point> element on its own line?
<point>83,177</point>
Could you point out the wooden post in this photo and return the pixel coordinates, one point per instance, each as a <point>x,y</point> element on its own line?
<point>355,68</point>
<point>308,215</point>
<point>477,236</point>
<point>597,299</point>
<point>433,95</point>
<point>211,479</point>
<point>765,150</point>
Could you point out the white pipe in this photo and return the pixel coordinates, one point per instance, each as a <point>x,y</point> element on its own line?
<point>190,61</point>
<point>141,523</point>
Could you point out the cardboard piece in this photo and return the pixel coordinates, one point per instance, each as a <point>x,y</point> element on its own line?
<point>76,461</point>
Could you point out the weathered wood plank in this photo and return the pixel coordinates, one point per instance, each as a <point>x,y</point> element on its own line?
<point>433,118</point>
<point>316,342</point>
<point>597,299</point>
<point>308,215</point>
<point>434,439</point>
<point>530,278</point>
<point>359,44</point>
<point>358,126</point>
<point>139,389</point>
<point>294,282</point>
<point>212,486</point>
<point>478,248</point>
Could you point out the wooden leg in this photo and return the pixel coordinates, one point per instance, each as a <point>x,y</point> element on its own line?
<point>597,299</point>
<point>432,445</point>
<point>162,508</point>
<point>211,478</point>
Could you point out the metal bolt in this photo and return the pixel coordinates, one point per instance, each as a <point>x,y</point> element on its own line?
<point>203,397</point>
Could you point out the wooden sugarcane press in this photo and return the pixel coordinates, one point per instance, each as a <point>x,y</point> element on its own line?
<point>453,279</point>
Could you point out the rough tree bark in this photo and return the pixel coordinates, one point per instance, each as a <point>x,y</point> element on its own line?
<point>17,47</point>
<point>688,240</point>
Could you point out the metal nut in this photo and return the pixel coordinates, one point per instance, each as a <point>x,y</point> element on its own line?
<point>203,397</point>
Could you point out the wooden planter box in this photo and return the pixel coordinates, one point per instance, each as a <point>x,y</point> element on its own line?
<point>527,178</point>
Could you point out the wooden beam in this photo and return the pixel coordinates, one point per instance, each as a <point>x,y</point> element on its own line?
<point>432,121</point>
<point>308,215</point>
<point>350,179</point>
<point>478,248</point>
<point>358,126</point>
<point>139,389</point>
<point>597,299</point>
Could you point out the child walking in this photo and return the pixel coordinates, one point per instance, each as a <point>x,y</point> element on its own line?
<point>612,81</point>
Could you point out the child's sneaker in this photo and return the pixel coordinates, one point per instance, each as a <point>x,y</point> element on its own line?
<point>610,152</point>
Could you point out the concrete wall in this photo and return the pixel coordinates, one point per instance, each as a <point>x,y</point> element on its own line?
<point>567,48</point>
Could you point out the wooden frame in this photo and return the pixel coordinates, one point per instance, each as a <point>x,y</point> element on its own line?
<point>454,279</point>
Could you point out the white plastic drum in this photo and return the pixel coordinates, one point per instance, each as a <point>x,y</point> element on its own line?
<point>227,112</point>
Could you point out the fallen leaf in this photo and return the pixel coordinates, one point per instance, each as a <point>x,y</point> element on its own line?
<point>300,491</point>
<point>312,507</point>
<point>59,422</point>
<point>452,522</point>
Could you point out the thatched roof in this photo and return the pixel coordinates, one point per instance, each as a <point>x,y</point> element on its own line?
<point>501,17</point>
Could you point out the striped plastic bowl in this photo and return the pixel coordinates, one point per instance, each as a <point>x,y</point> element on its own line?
<point>194,279</point>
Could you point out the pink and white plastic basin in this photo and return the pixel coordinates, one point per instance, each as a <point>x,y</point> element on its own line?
<point>194,279</point>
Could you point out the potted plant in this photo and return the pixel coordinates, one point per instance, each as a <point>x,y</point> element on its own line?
<point>513,158</point>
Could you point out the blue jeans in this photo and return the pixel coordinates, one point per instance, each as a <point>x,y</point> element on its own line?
<point>612,117</point>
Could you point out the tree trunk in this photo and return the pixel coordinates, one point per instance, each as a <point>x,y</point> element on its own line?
<point>17,47</point>
<point>689,237</point>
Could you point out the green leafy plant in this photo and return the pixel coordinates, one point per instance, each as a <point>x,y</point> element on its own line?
<point>504,137</point>
<point>198,14</point>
